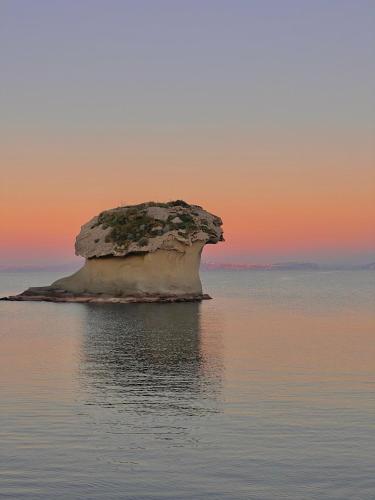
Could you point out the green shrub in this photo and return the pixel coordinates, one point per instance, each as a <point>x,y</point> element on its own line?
<point>178,203</point>
<point>132,223</point>
<point>143,242</point>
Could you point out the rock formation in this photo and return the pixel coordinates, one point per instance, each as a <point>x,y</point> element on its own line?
<point>138,253</point>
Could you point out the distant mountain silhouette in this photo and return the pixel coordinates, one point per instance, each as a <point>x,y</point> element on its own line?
<point>265,267</point>
<point>370,266</point>
<point>308,266</point>
<point>287,266</point>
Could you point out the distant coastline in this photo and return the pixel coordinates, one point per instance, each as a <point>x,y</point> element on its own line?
<point>285,266</point>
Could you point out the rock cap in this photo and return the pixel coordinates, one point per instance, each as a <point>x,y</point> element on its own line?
<point>147,227</point>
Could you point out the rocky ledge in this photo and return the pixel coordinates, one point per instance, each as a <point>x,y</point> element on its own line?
<point>51,294</point>
<point>148,252</point>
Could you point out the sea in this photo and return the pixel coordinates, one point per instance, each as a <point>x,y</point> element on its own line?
<point>267,391</point>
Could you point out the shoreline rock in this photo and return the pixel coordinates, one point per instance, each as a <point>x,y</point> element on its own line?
<point>148,252</point>
<point>51,294</point>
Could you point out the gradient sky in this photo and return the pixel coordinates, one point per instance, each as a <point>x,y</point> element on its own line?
<point>262,111</point>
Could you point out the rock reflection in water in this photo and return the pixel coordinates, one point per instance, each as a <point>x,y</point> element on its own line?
<point>148,358</point>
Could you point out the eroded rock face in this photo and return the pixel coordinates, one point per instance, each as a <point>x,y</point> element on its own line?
<point>160,273</point>
<point>141,253</point>
<point>146,228</point>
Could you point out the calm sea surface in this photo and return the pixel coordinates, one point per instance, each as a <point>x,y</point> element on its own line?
<point>265,392</point>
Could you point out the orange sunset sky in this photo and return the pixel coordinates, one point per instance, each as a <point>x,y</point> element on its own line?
<point>268,124</point>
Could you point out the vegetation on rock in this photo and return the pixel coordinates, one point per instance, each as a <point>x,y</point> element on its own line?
<point>146,227</point>
<point>133,224</point>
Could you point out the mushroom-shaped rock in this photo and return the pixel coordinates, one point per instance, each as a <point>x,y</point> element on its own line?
<point>150,249</point>
<point>145,252</point>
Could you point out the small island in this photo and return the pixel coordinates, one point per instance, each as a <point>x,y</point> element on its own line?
<point>148,252</point>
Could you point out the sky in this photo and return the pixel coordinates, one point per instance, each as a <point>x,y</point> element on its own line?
<point>263,112</point>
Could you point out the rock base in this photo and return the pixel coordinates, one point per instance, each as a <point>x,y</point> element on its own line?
<point>51,294</point>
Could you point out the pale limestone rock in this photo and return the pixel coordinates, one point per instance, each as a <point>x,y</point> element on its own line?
<point>176,220</point>
<point>147,252</point>
<point>160,273</point>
